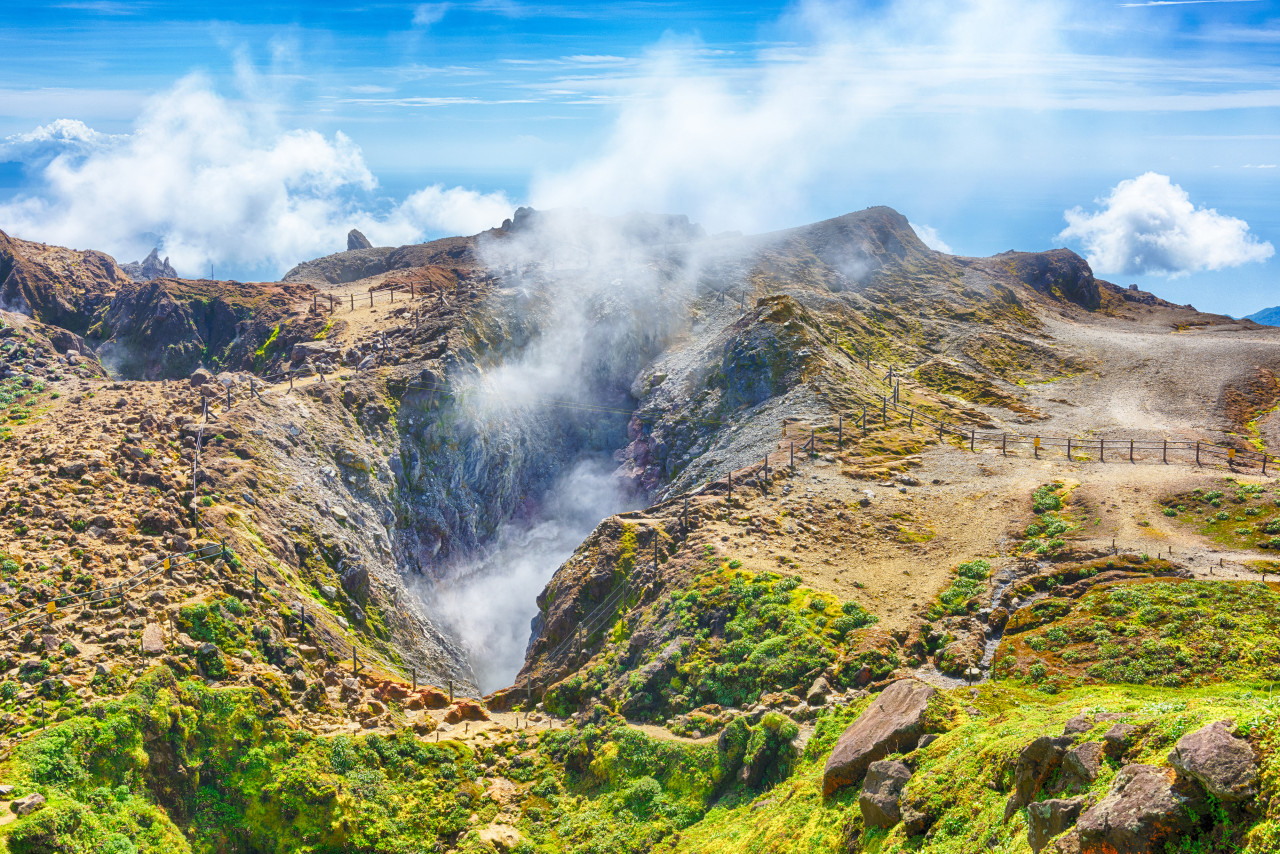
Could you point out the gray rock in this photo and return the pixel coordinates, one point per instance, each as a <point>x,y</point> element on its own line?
<point>328,591</point>
<point>1047,819</point>
<point>818,691</point>
<point>894,721</point>
<point>1223,764</point>
<point>28,804</point>
<point>1145,808</point>
<point>153,640</point>
<point>881,791</point>
<point>200,377</point>
<point>356,240</point>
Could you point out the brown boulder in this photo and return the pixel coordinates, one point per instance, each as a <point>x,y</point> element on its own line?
<point>465,710</point>
<point>1034,767</point>
<point>1146,807</point>
<point>1118,740</point>
<point>433,699</point>
<point>893,722</point>
<point>881,792</point>
<point>1083,763</point>
<point>1223,764</point>
<point>1046,819</point>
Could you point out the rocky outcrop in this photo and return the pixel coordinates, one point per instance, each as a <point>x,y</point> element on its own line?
<point>1146,807</point>
<point>1058,274</point>
<point>1223,764</point>
<point>1047,819</point>
<point>357,240</point>
<point>150,268</point>
<point>893,722</point>
<point>881,791</point>
<point>57,286</point>
<point>28,804</point>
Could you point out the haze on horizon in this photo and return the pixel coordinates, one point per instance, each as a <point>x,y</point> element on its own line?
<point>1144,135</point>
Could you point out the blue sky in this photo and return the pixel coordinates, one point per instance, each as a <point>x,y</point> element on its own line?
<point>246,136</point>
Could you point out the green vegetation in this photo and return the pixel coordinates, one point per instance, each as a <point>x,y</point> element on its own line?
<point>1241,515</point>
<point>176,767</point>
<point>1165,632</point>
<point>17,397</point>
<point>729,637</point>
<point>960,597</point>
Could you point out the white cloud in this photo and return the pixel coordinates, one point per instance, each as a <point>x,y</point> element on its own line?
<point>929,237</point>
<point>1149,225</point>
<point>221,184</point>
<point>745,147</point>
<point>426,14</point>
<point>63,136</point>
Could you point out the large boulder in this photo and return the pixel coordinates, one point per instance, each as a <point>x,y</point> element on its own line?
<point>1035,765</point>
<point>1082,764</point>
<point>881,792</point>
<point>1146,807</point>
<point>1046,819</point>
<point>1223,764</point>
<point>28,804</point>
<point>893,722</point>
<point>356,240</point>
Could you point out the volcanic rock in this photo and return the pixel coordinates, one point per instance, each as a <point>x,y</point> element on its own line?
<point>1145,808</point>
<point>1223,764</point>
<point>881,791</point>
<point>893,722</point>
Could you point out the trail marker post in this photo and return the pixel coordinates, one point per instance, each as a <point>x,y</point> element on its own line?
<point>1037,447</point>
<point>1130,450</point>
<point>1068,447</point>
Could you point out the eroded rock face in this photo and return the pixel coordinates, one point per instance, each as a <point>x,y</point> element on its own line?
<point>894,722</point>
<point>150,268</point>
<point>1223,764</point>
<point>1047,819</point>
<point>881,791</point>
<point>1146,807</point>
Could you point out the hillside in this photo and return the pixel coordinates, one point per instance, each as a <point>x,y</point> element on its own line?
<point>1266,317</point>
<point>262,545</point>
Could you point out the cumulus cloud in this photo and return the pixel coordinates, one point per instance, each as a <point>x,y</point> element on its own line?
<point>58,138</point>
<point>929,237</point>
<point>1148,224</point>
<point>220,184</point>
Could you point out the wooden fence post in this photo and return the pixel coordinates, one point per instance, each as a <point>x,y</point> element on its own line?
<point>911,419</point>
<point>864,419</point>
<point>1068,447</point>
<point>331,303</point>
<point>370,299</point>
<point>1004,444</point>
<point>1130,450</point>
<point>315,302</point>
<point>353,301</point>
<point>728,501</point>
<point>1197,453</point>
<point>764,484</point>
<point>973,436</point>
<point>939,431</point>
<point>1102,450</point>
<point>793,454</point>
<point>1164,453</point>
<point>839,438</point>
<point>228,397</point>
<point>290,380</point>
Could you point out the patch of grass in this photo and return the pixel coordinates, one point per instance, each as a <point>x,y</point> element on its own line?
<point>1165,632</point>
